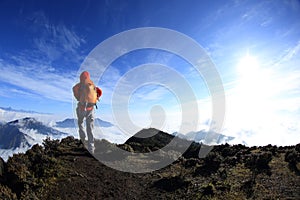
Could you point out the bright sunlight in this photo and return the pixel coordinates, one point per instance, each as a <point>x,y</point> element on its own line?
<point>254,80</point>
<point>248,66</point>
<point>250,99</point>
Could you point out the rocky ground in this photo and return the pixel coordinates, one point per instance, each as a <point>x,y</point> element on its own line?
<point>66,170</point>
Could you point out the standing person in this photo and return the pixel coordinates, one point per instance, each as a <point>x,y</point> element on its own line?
<point>87,94</point>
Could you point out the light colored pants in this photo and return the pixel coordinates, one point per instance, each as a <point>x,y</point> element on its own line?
<point>89,117</point>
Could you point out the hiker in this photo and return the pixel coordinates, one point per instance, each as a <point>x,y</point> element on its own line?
<point>87,95</point>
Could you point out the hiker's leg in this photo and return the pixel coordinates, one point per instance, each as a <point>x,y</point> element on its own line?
<point>89,130</point>
<point>80,117</point>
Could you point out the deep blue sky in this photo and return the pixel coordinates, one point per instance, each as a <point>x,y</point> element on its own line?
<point>43,43</point>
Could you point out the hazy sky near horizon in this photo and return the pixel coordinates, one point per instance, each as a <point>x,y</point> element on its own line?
<point>255,46</point>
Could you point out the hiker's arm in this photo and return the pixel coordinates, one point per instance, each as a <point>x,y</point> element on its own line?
<point>76,92</point>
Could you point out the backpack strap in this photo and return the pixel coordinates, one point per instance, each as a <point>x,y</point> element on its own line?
<point>81,88</point>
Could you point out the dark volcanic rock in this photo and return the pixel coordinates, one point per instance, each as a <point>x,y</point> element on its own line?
<point>259,162</point>
<point>6,193</point>
<point>2,167</point>
<point>65,170</point>
<point>292,156</point>
<point>211,164</point>
<point>170,184</point>
<point>151,138</point>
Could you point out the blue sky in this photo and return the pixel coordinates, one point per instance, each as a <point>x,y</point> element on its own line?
<point>255,46</point>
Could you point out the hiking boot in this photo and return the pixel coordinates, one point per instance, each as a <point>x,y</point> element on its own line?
<point>79,143</point>
<point>91,148</point>
<point>82,143</point>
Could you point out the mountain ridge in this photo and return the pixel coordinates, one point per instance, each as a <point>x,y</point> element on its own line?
<point>71,123</point>
<point>206,137</point>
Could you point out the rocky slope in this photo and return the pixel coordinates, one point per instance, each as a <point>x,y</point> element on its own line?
<point>65,170</point>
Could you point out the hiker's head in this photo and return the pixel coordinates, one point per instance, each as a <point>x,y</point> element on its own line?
<point>84,75</point>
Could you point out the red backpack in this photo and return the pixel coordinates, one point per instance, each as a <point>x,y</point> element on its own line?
<point>86,92</point>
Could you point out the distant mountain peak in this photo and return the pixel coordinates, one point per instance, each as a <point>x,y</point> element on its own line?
<point>17,133</point>
<point>150,132</point>
<point>71,123</point>
<point>206,137</point>
<point>24,121</point>
<point>151,139</point>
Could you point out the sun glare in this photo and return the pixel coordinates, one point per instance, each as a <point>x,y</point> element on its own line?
<point>248,66</point>
<point>250,76</point>
<point>253,91</point>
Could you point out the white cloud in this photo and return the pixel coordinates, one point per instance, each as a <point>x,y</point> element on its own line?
<point>275,130</point>
<point>292,52</point>
<point>151,94</point>
<point>295,5</point>
<point>265,109</point>
<point>54,41</point>
<point>31,72</point>
<point>57,41</point>
<point>34,82</point>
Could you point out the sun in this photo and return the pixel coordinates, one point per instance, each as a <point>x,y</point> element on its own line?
<point>248,66</point>
<point>248,100</point>
<point>254,87</point>
<point>250,80</point>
